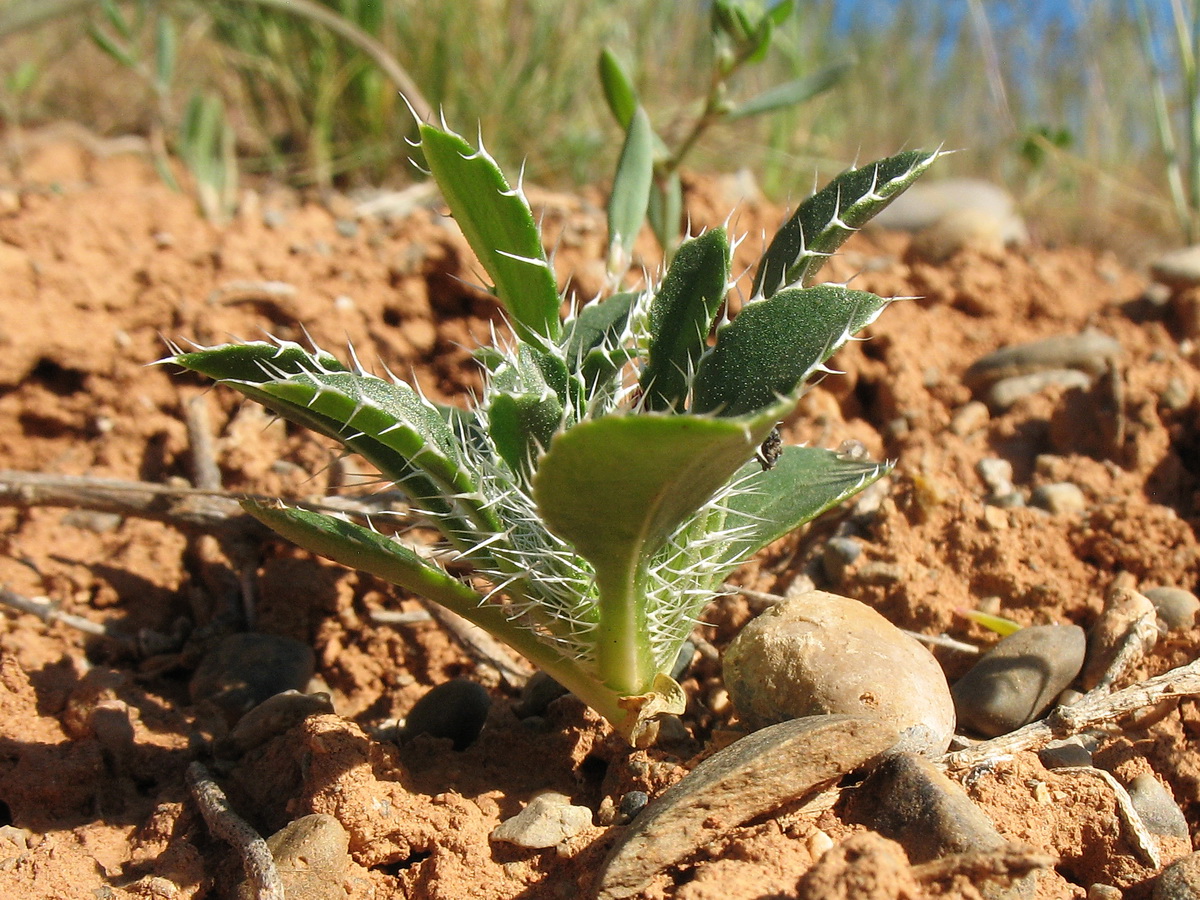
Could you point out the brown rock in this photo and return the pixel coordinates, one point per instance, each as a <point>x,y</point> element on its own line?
<point>749,778</point>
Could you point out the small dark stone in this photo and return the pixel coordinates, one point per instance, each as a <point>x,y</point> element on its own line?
<point>631,804</point>
<point>245,669</point>
<point>538,693</point>
<point>456,710</point>
<point>1018,679</point>
<point>838,554</point>
<point>684,660</point>
<point>1065,753</point>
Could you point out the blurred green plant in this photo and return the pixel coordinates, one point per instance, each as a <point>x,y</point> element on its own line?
<point>1181,157</point>
<point>741,32</point>
<point>618,464</point>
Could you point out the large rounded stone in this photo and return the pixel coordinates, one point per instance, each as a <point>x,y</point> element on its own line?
<point>819,653</point>
<point>245,669</point>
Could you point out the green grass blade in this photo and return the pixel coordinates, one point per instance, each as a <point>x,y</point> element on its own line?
<point>826,219</point>
<point>791,93</point>
<point>499,225</point>
<point>681,315</point>
<point>764,356</point>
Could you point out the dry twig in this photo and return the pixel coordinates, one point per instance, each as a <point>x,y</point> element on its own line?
<point>224,823</point>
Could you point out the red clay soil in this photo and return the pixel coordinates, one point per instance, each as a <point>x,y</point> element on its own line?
<point>99,262</point>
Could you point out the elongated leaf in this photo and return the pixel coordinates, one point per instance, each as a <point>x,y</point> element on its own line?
<point>804,482</point>
<point>597,324</point>
<point>616,488</point>
<point>764,355</point>
<point>665,212</point>
<point>631,190</point>
<point>824,221</point>
<point>619,91</point>
<point>681,315</point>
<point>285,378</point>
<point>499,225</point>
<point>165,52</point>
<point>791,93</point>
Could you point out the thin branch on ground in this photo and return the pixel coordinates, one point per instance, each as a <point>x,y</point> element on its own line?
<point>206,474</point>
<point>227,825</point>
<point>1096,708</point>
<point>480,646</point>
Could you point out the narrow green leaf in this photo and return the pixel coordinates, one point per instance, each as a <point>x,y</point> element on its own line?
<point>791,93</point>
<point>665,212</point>
<point>616,488</point>
<point>619,91</point>
<point>116,18</point>
<point>680,317</point>
<point>804,482</point>
<point>760,40</point>
<point>763,357</point>
<point>165,48</point>
<point>110,46</point>
<point>827,218</point>
<point>781,11</point>
<point>499,225</point>
<point>631,191</point>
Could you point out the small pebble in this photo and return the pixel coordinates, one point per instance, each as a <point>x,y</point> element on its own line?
<point>347,228</point>
<point>1176,395</point>
<point>1061,499</point>
<point>1180,880</point>
<point>538,693</point>
<point>312,857</point>
<point>1157,808</point>
<point>747,779</point>
<point>683,661</point>
<point>1007,391</point>
<point>456,710</point>
<point>1178,269</point>
<point>821,653</point>
<point>1176,607</point>
<point>838,554</point>
<point>969,418</point>
<point>1017,680</point>
<point>878,572</point>
<point>908,799</point>
<point>997,474</point>
<point>1104,892</point>
<point>547,821</point>
<point>631,804</point>
<point>1065,753</point>
<point>245,669</point>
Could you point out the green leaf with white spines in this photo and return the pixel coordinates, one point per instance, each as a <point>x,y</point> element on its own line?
<point>499,225</point>
<point>824,221</point>
<point>680,317</point>
<point>764,356</point>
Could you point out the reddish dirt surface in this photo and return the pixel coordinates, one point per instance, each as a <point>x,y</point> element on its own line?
<point>99,261</point>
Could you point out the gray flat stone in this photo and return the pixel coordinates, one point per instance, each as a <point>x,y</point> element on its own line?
<point>819,653</point>
<point>906,798</point>
<point>1007,391</point>
<point>1091,352</point>
<point>926,202</point>
<point>272,717</point>
<point>1157,808</point>
<point>749,778</point>
<point>1179,269</point>
<point>1176,607</point>
<point>1018,679</point>
<point>548,820</point>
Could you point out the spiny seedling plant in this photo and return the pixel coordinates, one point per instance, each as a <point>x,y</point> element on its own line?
<point>619,463</point>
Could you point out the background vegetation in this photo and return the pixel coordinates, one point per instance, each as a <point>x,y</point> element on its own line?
<point>1061,108</point>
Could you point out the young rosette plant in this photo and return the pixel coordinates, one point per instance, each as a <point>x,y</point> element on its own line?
<point>609,477</point>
